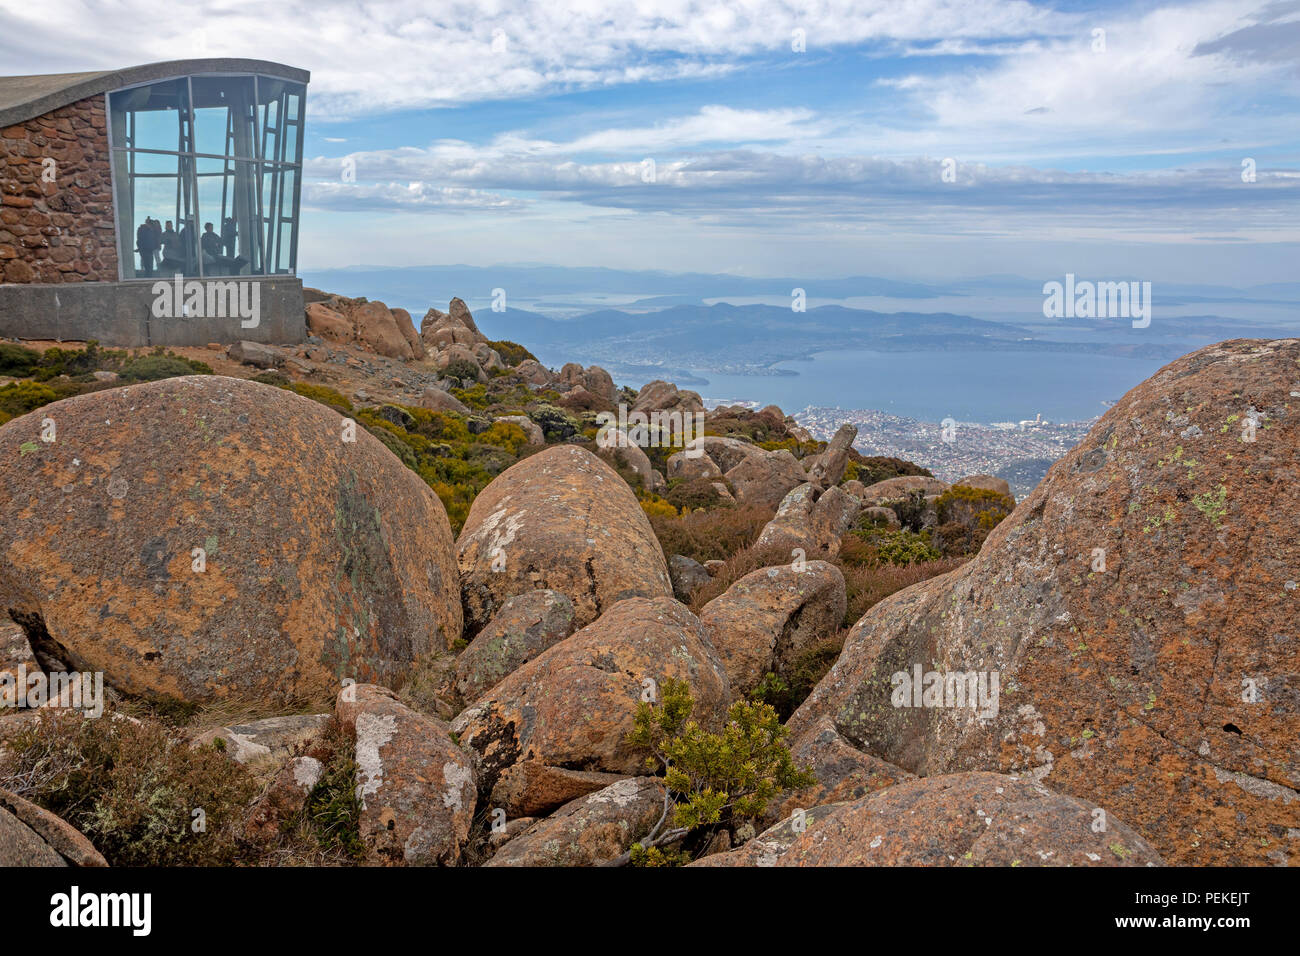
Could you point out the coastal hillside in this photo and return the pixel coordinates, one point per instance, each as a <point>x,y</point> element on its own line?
<point>403,595</point>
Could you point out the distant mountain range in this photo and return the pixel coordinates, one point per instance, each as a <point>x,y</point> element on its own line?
<point>656,323</point>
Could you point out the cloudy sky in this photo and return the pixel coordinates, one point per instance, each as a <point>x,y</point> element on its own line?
<point>923,139</point>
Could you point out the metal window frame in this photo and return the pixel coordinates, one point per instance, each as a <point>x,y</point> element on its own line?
<point>260,162</point>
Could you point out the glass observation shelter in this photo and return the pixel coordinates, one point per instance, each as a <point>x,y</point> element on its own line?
<point>207,174</point>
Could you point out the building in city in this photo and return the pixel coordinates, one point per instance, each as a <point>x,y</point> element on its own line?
<point>154,205</point>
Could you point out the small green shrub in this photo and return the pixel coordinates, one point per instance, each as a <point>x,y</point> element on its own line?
<point>512,353</point>
<point>19,398</point>
<point>460,369</point>
<point>17,361</point>
<point>715,778</point>
<point>904,547</point>
<point>153,368</point>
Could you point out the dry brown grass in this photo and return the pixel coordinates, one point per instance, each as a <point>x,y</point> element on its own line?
<point>713,535</point>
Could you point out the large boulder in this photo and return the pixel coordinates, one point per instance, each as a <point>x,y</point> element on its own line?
<point>894,489</point>
<point>263,746</point>
<point>573,706</point>
<point>440,400</point>
<point>985,483</point>
<point>283,799</point>
<point>417,788</point>
<point>827,468</point>
<point>692,463</point>
<point>810,520</point>
<point>765,620</point>
<point>687,574</point>
<point>843,773</point>
<point>766,478</point>
<point>1138,610</point>
<point>661,396</point>
<point>591,830</point>
<point>456,326</point>
<point>202,536</point>
<point>561,519</point>
<point>52,834</point>
<point>463,357</point>
<point>621,445</point>
<point>533,372</point>
<point>966,819</point>
<point>406,326</point>
<point>526,625</point>
<point>594,379</point>
<point>328,323</point>
<point>532,788</point>
<point>376,329</point>
<point>724,452</point>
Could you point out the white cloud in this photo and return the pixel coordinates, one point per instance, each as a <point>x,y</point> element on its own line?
<point>403,54</point>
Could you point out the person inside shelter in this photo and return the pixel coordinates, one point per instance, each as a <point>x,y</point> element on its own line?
<point>215,262</point>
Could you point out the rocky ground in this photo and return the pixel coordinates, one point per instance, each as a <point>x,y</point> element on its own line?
<point>399,597</point>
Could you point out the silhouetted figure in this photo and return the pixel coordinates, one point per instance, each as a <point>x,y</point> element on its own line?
<point>146,244</point>
<point>173,259</point>
<point>214,262</point>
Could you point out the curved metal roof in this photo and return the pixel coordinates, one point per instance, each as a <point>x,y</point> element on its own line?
<point>25,97</point>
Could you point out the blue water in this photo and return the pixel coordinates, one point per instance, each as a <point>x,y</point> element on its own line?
<point>932,386</point>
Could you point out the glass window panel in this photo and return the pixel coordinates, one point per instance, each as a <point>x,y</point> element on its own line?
<point>229,241</point>
<point>280,112</point>
<point>223,115</point>
<point>280,186</point>
<point>284,262</point>
<point>152,200</point>
<point>152,117</point>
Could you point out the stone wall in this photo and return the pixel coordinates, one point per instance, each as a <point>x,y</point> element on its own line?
<point>56,221</point>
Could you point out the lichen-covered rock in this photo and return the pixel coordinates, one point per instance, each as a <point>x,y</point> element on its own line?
<point>965,819</point>
<point>763,621</point>
<point>985,483</point>
<point>57,834</point>
<point>264,745</point>
<point>376,329</point>
<point>21,846</point>
<point>687,575</point>
<point>1139,609</point>
<point>561,519</point>
<point>417,788</point>
<point>828,468</point>
<point>883,517</point>
<point>205,536</point>
<point>692,463</point>
<point>893,489</point>
<point>724,452</point>
<point>810,520</point>
<point>594,379</point>
<point>766,848</point>
<point>661,396</point>
<point>766,478</point>
<point>526,625</point>
<point>16,657</point>
<point>573,706</point>
<point>843,772</point>
<point>441,400</point>
<point>591,830</point>
<point>283,799</point>
<point>531,788</point>
<point>620,445</point>
<point>533,372</point>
